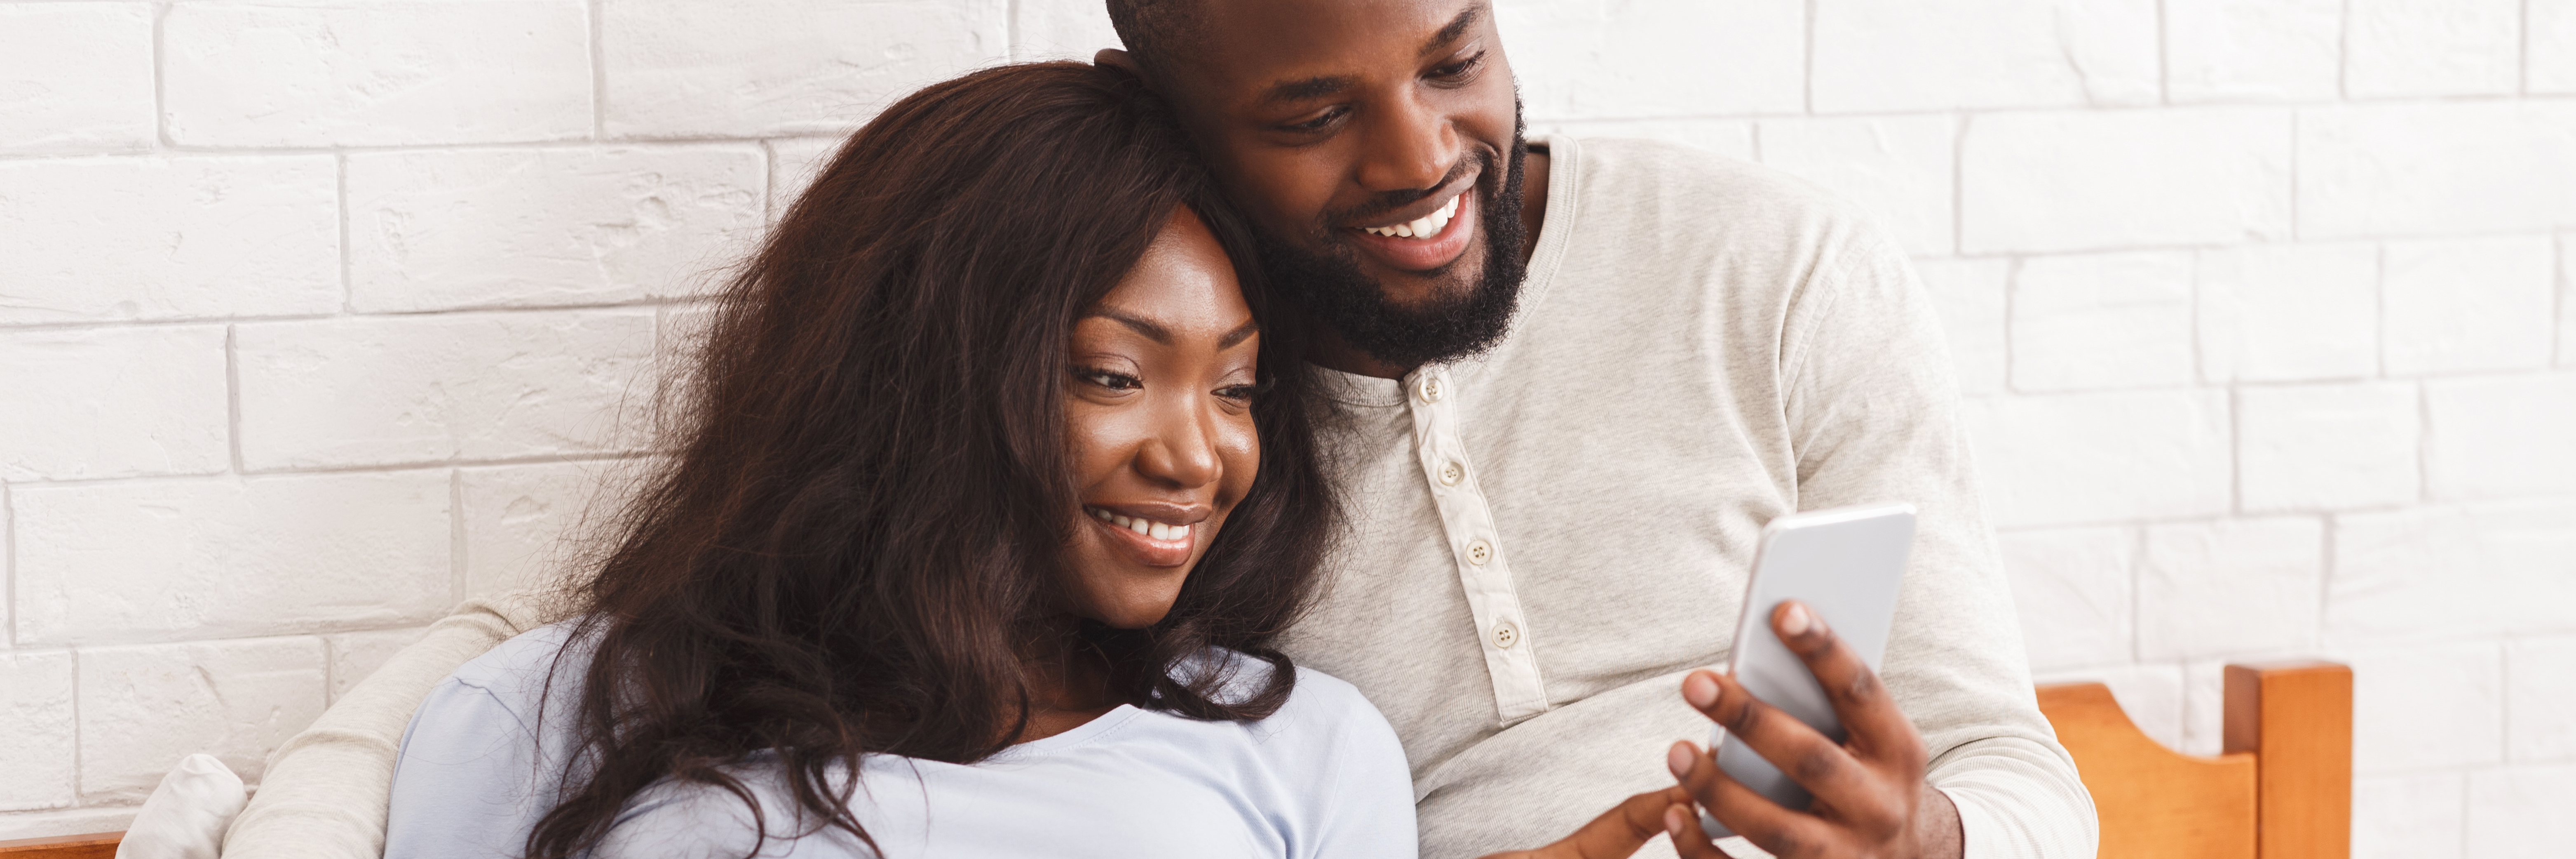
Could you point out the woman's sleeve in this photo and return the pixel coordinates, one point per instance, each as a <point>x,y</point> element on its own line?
<point>1367,802</point>
<point>325,790</point>
<point>467,779</point>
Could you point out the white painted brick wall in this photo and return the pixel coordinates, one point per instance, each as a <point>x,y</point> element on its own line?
<point>317,317</point>
<point>2410,816</point>
<point>391,74</point>
<point>112,239</point>
<point>79,76</point>
<point>2432,47</point>
<point>2328,447</point>
<point>2101,321</point>
<point>2272,313</point>
<point>2078,180</point>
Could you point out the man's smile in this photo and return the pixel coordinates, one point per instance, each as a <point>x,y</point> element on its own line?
<point>1425,236</point>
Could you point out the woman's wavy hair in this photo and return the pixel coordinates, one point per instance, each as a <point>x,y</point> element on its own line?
<point>859,531</point>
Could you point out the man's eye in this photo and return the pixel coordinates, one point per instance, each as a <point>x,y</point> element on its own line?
<point>1461,68</point>
<point>1110,379</point>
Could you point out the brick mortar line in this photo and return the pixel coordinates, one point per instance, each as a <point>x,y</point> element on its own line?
<point>160,87</point>
<point>171,148</point>
<point>9,561</point>
<point>2105,250</point>
<point>598,71</point>
<point>386,468</point>
<point>232,397</point>
<point>569,144</point>
<point>482,310</point>
<point>1807,71</point>
<point>340,201</point>
<point>80,767</point>
<point>457,562</point>
<point>2343,51</point>
<point>2336,513</point>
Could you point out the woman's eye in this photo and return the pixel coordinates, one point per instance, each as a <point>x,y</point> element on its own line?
<point>1319,123</point>
<point>1111,379</point>
<point>1242,393</point>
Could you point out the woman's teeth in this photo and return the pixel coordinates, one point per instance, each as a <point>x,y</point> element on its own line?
<point>1423,227</point>
<point>1147,527</point>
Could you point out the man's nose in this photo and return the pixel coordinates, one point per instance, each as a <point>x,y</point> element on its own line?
<point>1410,147</point>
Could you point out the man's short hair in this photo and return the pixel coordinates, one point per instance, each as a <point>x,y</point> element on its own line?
<point>1154,30</point>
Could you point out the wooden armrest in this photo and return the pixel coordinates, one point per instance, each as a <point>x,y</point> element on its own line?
<point>2281,790</point>
<point>96,845</point>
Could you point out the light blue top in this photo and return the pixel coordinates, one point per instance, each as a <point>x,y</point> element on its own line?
<point>1321,777</point>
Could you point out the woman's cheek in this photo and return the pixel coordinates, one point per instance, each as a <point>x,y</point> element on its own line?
<point>1241,452</point>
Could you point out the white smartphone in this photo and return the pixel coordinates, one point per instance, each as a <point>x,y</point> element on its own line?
<point>1846,564</point>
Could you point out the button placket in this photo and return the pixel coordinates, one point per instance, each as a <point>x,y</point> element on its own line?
<point>1482,565</point>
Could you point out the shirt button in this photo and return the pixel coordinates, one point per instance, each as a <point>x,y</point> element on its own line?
<point>1451,472</point>
<point>1479,552</point>
<point>1506,635</point>
<point>1429,388</point>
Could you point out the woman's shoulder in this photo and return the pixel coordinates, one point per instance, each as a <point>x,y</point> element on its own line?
<point>1242,675</point>
<point>1321,708</point>
<point>543,662</point>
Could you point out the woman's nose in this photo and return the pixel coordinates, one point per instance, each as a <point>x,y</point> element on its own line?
<point>1182,452</point>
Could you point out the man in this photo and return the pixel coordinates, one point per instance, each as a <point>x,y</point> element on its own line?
<point>1579,378</point>
<point>1576,380</point>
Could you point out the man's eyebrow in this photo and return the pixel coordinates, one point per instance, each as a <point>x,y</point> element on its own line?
<point>1239,334</point>
<point>1301,90</point>
<point>1457,27</point>
<point>1153,332</point>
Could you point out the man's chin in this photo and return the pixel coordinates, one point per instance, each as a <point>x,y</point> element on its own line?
<point>1421,290</point>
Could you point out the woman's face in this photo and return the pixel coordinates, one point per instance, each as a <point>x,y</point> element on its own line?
<point>1159,411</point>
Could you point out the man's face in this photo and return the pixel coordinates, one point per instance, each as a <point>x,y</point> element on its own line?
<point>1376,145</point>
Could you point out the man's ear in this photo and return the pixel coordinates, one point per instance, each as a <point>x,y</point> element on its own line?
<point>1119,59</point>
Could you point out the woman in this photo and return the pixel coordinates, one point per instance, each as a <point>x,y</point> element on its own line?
<point>989,496</point>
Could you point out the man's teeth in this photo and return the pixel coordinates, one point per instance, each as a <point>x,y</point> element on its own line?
<point>1422,227</point>
<point>1147,527</point>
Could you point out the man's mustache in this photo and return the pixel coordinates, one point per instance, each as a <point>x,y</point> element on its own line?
<point>1392,200</point>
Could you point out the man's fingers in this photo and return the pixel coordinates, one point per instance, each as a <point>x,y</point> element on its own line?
<point>1811,759</point>
<point>1689,840</point>
<point>1617,833</point>
<point>1783,832</point>
<point>1873,720</point>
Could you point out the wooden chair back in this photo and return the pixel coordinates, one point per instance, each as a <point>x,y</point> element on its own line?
<point>95,846</point>
<point>2282,789</point>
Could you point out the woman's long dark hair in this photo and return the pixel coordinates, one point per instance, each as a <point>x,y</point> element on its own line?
<point>859,532</point>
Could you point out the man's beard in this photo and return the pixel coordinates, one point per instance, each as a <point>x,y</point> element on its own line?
<point>1457,322</point>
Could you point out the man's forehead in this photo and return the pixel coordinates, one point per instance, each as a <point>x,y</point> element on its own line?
<point>1292,49</point>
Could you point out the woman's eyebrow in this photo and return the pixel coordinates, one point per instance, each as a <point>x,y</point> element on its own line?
<point>1160,334</point>
<point>1143,326</point>
<point>1239,334</point>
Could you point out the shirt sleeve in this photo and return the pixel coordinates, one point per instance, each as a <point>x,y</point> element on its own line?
<point>1873,410</point>
<point>324,792</point>
<point>470,780</point>
<point>1367,805</point>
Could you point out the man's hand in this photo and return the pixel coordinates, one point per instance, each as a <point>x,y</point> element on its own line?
<point>1871,800</point>
<point>1617,832</point>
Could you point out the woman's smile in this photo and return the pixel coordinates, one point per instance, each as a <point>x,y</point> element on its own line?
<point>1157,535</point>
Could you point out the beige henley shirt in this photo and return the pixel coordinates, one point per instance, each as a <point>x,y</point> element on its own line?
<point>1546,536</point>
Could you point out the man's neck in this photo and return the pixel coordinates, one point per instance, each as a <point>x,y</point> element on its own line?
<point>1334,353</point>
